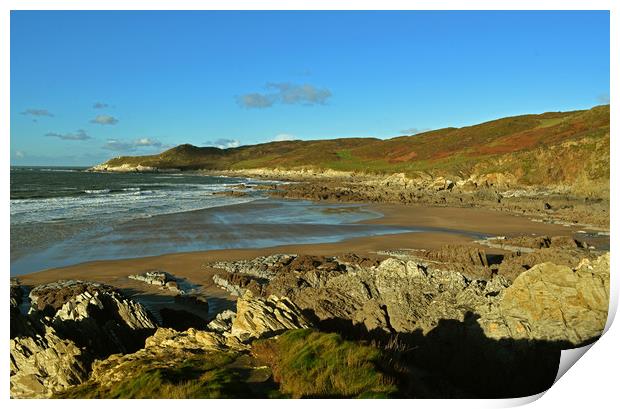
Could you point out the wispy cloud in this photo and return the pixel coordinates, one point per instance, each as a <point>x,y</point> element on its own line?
<point>20,154</point>
<point>283,137</point>
<point>603,98</point>
<point>79,135</point>
<point>104,120</point>
<point>286,93</point>
<point>256,100</point>
<point>145,142</point>
<point>100,105</point>
<point>130,146</point>
<point>414,131</point>
<point>37,112</point>
<point>223,143</point>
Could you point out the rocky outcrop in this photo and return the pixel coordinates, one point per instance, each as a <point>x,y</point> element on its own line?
<point>257,317</point>
<point>393,296</point>
<point>96,316</point>
<point>44,363</point>
<point>547,203</point>
<point>69,324</point>
<point>230,332</point>
<point>222,321</point>
<point>551,302</point>
<point>470,261</point>
<point>164,281</point>
<point>528,244</point>
<point>166,348</point>
<point>548,302</point>
<point>515,264</point>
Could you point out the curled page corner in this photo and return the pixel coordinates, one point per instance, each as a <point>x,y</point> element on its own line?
<point>568,358</point>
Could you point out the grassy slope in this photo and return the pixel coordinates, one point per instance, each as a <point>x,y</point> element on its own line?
<point>308,363</point>
<point>304,363</point>
<point>520,145</point>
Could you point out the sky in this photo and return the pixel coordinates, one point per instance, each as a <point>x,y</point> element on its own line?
<point>87,86</point>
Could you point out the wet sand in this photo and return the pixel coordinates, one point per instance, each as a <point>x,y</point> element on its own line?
<point>193,266</point>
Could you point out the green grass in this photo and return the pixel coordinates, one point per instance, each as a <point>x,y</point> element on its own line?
<point>308,363</point>
<point>299,363</point>
<point>214,375</point>
<point>344,154</point>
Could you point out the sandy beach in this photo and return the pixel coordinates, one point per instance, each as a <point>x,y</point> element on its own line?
<point>450,226</point>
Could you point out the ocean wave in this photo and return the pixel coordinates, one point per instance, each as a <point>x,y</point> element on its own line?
<point>96,191</point>
<point>58,170</point>
<point>116,206</point>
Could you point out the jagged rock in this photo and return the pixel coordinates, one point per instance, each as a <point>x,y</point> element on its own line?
<point>468,260</point>
<point>166,338</point>
<point>527,244</point>
<point>459,254</point>
<point>160,279</point>
<point>516,263</point>
<point>551,302</point>
<point>222,322</point>
<point>45,363</point>
<point>166,348</point>
<point>237,284</point>
<point>261,267</point>
<point>68,325</point>
<point>257,317</point>
<point>394,296</point>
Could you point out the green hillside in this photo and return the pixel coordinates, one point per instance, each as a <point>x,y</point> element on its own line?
<point>536,149</point>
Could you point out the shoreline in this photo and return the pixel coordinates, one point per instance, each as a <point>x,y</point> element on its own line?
<point>191,265</point>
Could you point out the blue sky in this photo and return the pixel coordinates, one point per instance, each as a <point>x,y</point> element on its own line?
<point>90,85</point>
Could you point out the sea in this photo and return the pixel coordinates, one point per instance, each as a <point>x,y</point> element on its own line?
<point>64,215</point>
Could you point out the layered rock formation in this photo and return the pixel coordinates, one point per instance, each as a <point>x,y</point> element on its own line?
<point>69,324</point>
<point>160,279</point>
<point>551,302</point>
<point>257,317</point>
<point>547,302</point>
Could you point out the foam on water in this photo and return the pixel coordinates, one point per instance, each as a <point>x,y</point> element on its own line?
<point>130,203</point>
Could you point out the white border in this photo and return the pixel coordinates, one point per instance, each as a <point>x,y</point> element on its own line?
<point>590,384</point>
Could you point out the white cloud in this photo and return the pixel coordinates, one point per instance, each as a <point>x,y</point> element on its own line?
<point>19,154</point>
<point>148,142</point>
<point>130,146</point>
<point>223,143</point>
<point>79,135</point>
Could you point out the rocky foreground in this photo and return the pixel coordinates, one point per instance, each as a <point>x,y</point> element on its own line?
<point>453,322</point>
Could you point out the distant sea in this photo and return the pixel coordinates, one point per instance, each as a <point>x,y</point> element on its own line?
<point>62,216</point>
<point>47,194</point>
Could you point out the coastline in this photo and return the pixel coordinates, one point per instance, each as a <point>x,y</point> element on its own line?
<point>191,265</point>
